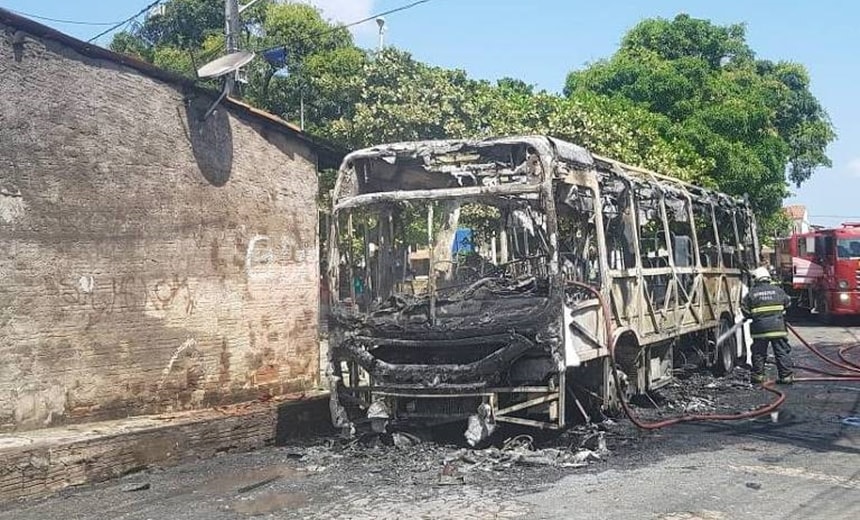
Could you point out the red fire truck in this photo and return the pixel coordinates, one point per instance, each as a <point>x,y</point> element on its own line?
<point>821,270</point>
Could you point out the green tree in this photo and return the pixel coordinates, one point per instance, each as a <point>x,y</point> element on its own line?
<point>514,85</point>
<point>754,124</point>
<point>400,98</point>
<point>321,70</point>
<point>184,25</point>
<point>322,66</point>
<point>187,31</point>
<point>131,45</point>
<point>614,127</point>
<point>684,97</point>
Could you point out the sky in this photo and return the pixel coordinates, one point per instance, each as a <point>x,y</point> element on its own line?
<point>540,41</point>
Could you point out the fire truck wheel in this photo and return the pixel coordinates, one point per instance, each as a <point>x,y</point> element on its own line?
<point>824,316</point>
<point>725,361</point>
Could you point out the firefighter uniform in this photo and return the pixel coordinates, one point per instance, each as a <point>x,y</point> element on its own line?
<point>765,305</point>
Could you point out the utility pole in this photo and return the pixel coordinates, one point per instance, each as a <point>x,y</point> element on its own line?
<point>231,17</point>
<point>302,109</point>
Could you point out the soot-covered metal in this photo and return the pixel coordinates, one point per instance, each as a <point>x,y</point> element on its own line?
<point>441,261</point>
<point>458,272</point>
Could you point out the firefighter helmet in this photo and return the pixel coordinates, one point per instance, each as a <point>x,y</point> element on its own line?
<point>761,274</point>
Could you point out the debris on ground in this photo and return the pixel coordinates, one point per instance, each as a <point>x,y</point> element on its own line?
<point>851,421</point>
<point>404,440</point>
<point>255,485</point>
<point>136,486</point>
<point>700,392</point>
<point>401,457</point>
<point>480,426</point>
<point>520,450</point>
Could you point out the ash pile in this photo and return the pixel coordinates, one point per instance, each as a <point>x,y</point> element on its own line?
<point>584,445</point>
<point>700,392</point>
<point>401,458</point>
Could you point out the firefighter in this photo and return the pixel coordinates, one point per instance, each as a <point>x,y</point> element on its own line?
<point>765,305</point>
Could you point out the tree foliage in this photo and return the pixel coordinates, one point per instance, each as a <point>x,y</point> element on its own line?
<point>399,98</point>
<point>684,97</point>
<point>754,122</point>
<point>608,126</point>
<point>191,33</point>
<point>316,54</point>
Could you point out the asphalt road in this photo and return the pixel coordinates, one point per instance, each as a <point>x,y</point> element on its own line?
<point>803,464</point>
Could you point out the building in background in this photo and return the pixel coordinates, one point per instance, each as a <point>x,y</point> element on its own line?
<point>799,217</point>
<point>152,261</point>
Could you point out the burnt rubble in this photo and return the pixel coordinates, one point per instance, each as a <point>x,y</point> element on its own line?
<point>410,458</point>
<point>480,303</point>
<point>471,281</point>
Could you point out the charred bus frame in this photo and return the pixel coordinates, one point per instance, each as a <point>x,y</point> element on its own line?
<point>505,333</point>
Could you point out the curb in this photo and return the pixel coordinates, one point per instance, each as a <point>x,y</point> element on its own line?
<point>40,463</point>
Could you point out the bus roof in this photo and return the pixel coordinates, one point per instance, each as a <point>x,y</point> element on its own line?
<point>572,154</point>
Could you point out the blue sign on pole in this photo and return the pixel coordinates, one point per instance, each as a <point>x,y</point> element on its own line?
<point>463,241</point>
<point>276,57</point>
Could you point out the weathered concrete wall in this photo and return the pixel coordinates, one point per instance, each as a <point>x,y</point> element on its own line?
<point>41,462</point>
<point>149,262</point>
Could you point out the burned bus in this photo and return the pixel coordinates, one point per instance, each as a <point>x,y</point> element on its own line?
<point>485,281</point>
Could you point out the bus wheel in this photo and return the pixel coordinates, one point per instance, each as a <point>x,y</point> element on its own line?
<point>630,358</point>
<point>726,352</point>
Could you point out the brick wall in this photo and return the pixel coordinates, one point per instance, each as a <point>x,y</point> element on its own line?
<point>149,262</point>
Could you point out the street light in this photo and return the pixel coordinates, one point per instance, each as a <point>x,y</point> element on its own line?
<point>381,23</point>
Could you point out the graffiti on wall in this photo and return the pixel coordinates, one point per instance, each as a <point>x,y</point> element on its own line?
<point>264,252</point>
<point>103,297</point>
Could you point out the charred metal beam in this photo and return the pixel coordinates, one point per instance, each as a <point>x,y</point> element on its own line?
<point>528,422</point>
<point>528,404</point>
<point>437,194</point>
<point>488,368</point>
<point>415,391</point>
<point>442,343</point>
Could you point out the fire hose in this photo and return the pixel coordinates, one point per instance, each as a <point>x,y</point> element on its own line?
<point>853,370</point>
<point>853,375</point>
<point>842,352</point>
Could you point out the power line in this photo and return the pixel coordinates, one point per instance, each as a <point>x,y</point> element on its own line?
<point>385,13</point>
<point>316,35</point>
<point>220,47</point>
<point>120,24</point>
<point>357,22</point>
<point>57,20</point>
